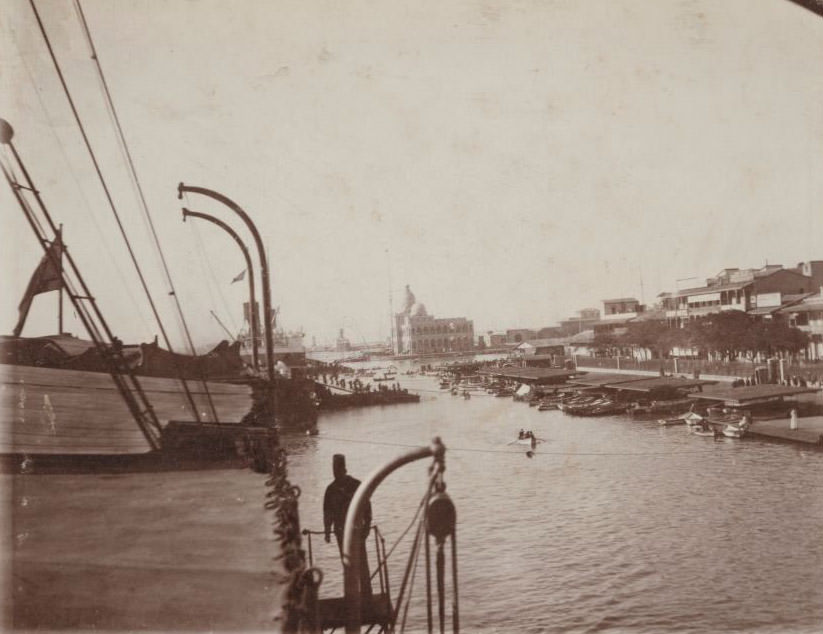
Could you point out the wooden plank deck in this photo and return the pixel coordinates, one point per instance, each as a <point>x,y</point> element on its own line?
<point>147,552</point>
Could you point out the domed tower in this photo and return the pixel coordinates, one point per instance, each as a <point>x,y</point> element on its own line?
<point>418,309</point>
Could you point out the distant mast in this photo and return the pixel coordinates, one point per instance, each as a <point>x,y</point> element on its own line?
<point>391,306</point>
<point>60,288</point>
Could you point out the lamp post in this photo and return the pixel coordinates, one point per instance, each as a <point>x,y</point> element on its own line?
<point>252,302</point>
<point>264,267</point>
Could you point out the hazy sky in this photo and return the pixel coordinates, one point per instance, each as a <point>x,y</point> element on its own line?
<point>512,161</point>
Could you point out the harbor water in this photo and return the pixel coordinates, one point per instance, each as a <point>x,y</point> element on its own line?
<point>612,524</point>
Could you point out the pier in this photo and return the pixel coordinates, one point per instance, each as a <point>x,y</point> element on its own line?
<point>809,430</point>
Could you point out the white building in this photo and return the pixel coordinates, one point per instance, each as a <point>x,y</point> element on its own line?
<point>417,332</point>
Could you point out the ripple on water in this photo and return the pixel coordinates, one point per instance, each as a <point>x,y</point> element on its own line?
<point>613,525</point>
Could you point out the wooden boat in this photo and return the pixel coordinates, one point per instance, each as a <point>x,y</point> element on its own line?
<point>736,430</point>
<point>683,419</point>
<point>583,404</point>
<point>703,428</point>
<point>660,406</point>
<point>604,408</point>
<point>526,437</point>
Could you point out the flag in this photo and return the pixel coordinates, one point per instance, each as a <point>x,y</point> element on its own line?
<point>239,276</point>
<point>48,276</point>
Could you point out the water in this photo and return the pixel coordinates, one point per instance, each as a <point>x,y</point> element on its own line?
<point>613,525</point>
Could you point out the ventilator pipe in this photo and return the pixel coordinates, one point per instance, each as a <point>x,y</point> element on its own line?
<point>252,300</point>
<point>264,266</point>
<point>351,532</point>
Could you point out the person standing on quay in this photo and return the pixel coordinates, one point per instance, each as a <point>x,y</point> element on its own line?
<point>339,494</point>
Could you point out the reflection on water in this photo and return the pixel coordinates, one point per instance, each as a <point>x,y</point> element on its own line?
<point>614,524</point>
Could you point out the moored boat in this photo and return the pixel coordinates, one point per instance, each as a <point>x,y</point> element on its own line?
<point>703,428</point>
<point>656,407</point>
<point>689,418</point>
<point>110,400</point>
<point>736,430</point>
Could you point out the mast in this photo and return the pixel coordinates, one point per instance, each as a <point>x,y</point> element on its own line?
<point>109,347</point>
<point>60,289</point>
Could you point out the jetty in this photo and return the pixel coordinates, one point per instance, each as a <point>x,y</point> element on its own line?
<point>809,430</point>
<point>774,424</point>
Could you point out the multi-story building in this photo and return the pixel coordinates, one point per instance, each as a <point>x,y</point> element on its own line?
<point>756,291</point>
<point>624,307</point>
<point>616,313</point>
<point>807,315</point>
<point>417,332</point>
<point>585,319</point>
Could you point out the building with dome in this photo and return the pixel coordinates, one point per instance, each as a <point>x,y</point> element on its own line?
<point>417,332</point>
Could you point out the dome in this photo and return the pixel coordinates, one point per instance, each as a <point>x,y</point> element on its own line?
<point>418,310</point>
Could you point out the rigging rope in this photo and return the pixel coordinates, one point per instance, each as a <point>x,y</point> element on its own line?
<point>131,167</point>
<point>411,567</point>
<point>108,195</point>
<point>408,578</point>
<point>143,204</point>
<point>69,168</point>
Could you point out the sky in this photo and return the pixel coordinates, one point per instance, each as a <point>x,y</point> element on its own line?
<point>512,161</point>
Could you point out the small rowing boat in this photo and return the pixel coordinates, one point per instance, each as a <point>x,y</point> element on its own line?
<point>689,418</point>
<point>526,437</point>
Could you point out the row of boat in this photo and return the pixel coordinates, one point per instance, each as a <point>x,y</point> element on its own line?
<point>728,424</point>
<point>576,402</point>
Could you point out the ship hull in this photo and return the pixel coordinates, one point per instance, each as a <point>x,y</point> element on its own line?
<point>48,411</point>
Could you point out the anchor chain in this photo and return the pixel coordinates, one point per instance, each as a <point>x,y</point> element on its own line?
<point>299,605</point>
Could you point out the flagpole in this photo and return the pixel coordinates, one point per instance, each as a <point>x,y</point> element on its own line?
<point>60,289</point>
